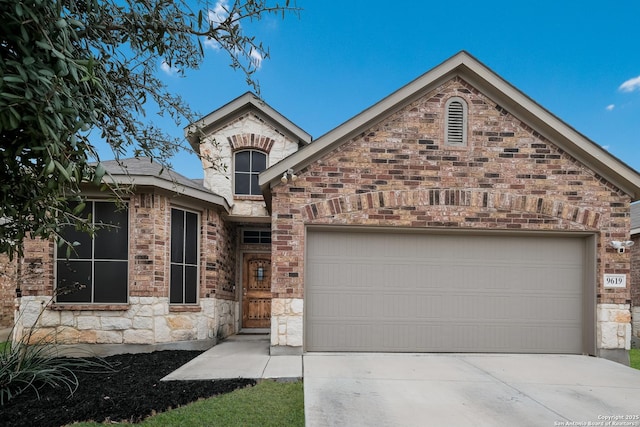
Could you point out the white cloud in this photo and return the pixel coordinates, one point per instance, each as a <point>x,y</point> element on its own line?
<point>606,147</point>
<point>220,12</point>
<point>172,71</point>
<point>256,58</point>
<point>211,43</point>
<point>610,107</point>
<point>216,16</point>
<point>630,85</point>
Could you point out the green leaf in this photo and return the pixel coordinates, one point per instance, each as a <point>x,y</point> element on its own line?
<point>50,166</point>
<point>79,208</point>
<point>43,45</point>
<point>62,170</point>
<point>57,53</point>
<point>99,174</point>
<point>13,79</point>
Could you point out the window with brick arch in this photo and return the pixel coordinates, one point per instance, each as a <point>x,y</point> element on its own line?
<point>183,285</point>
<point>95,270</point>
<point>455,122</point>
<point>247,166</point>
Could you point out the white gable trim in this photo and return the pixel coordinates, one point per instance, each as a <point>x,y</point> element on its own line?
<point>236,108</point>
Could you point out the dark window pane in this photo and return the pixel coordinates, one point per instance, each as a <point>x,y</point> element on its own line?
<point>243,160</point>
<point>242,183</point>
<point>255,188</point>
<point>251,236</point>
<point>73,282</point>
<point>81,244</point>
<point>191,285</point>
<point>177,235</point>
<point>259,162</point>
<point>266,237</point>
<point>191,239</point>
<point>175,291</point>
<point>110,241</point>
<point>83,249</point>
<point>110,282</point>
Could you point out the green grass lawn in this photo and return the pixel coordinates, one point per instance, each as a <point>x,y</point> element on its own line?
<point>269,403</point>
<point>634,356</point>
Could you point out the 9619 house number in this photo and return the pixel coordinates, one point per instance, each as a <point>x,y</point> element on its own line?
<point>615,280</point>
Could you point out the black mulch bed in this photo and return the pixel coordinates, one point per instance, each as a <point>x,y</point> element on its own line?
<point>132,392</point>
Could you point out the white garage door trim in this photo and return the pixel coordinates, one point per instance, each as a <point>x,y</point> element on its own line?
<point>536,293</point>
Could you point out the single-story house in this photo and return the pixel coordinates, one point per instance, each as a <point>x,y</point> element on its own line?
<point>454,215</point>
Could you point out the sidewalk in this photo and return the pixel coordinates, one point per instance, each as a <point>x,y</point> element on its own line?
<point>239,356</point>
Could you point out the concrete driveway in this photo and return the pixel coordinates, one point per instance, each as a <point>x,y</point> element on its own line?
<point>468,390</point>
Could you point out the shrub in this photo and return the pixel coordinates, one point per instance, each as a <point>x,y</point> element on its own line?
<point>33,363</point>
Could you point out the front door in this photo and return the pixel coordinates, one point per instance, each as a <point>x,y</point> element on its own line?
<point>256,291</point>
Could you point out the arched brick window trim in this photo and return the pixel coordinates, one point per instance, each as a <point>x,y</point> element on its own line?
<point>449,197</point>
<point>246,141</point>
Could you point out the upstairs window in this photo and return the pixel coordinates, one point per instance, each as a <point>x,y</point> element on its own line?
<point>456,122</point>
<point>247,165</point>
<point>97,268</point>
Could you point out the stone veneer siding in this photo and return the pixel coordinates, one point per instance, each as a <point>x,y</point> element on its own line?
<point>148,318</point>
<point>249,131</point>
<point>398,173</point>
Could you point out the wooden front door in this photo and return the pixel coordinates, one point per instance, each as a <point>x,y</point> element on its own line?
<point>256,291</point>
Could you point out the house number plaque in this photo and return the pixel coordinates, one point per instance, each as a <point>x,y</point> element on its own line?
<point>615,280</point>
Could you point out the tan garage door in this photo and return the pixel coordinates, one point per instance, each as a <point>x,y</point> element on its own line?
<point>414,292</point>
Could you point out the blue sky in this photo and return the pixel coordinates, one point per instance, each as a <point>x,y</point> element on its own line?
<point>579,60</point>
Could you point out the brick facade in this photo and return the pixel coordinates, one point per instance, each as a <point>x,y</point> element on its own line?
<point>148,317</point>
<point>399,173</point>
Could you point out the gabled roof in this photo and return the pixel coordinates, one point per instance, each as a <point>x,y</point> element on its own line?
<point>490,84</point>
<point>142,171</point>
<point>236,108</point>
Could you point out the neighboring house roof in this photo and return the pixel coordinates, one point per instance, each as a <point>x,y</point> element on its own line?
<point>635,218</point>
<point>236,108</point>
<point>490,84</point>
<point>143,171</point>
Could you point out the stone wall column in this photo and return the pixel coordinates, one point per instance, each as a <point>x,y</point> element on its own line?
<point>613,329</point>
<point>286,325</point>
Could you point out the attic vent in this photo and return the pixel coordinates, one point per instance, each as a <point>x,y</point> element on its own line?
<point>456,122</point>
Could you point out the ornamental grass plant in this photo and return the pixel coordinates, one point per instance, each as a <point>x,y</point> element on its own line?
<point>34,361</point>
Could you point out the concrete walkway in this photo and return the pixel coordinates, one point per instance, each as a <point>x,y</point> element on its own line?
<point>342,389</point>
<point>239,356</point>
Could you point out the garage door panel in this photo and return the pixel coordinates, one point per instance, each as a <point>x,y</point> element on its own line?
<point>421,292</point>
